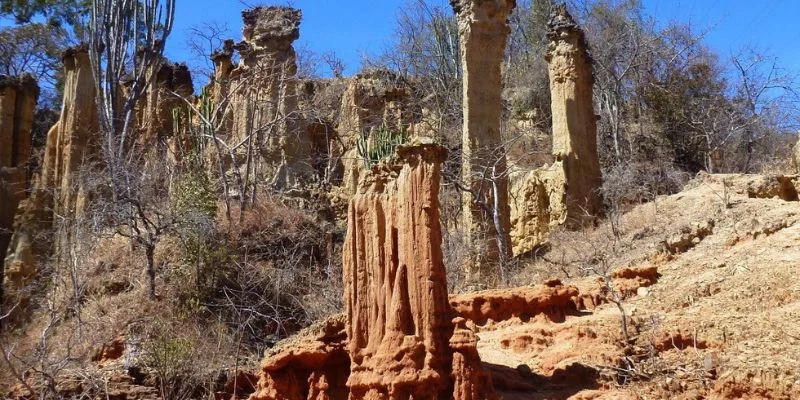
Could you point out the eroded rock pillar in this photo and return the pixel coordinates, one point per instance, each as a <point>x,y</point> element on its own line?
<point>17,105</point>
<point>399,323</point>
<point>483,30</point>
<point>265,98</point>
<point>574,121</point>
<point>72,143</point>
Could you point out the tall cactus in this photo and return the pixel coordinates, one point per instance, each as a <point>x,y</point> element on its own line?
<point>381,144</point>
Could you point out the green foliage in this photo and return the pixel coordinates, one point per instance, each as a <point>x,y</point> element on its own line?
<point>380,145</point>
<point>195,203</point>
<point>55,12</point>
<point>172,359</point>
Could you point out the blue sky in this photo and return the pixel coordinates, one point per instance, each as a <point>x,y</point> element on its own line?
<point>352,28</point>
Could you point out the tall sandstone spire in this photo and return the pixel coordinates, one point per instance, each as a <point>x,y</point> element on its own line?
<point>483,30</point>
<point>574,121</point>
<point>17,104</point>
<point>399,337</point>
<point>71,143</point>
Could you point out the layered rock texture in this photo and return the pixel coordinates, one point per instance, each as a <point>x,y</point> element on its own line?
<point>483,30</point>
<point>262,94</point>
<point>567,191</point>
<point>72,144</point>
<point>313,365</point>
<point>401,339</point>
<point>18,97</point>
<point>395,283</point>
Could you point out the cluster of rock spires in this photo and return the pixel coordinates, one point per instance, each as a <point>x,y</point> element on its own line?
<point>261,100</point>
<point>400,338</point>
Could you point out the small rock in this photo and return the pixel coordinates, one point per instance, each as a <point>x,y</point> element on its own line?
<point>642,292</point>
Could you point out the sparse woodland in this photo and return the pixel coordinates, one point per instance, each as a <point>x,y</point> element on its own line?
<point>257,223</point>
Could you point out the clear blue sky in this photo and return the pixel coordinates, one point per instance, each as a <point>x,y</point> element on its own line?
<point>352,28</point>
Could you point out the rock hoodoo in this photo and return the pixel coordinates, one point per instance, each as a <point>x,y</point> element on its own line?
<point>400,337</point>
<point>567,191</point>
<point>483,29</point>
<point>263,95</point>
<point>574,121</point>
<point>395,283</point>
<point>17,104</point>
<point>71,144</point>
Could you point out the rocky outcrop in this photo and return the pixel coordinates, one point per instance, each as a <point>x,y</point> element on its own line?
<point>566,192</point>
<point>538,205</point>
<point>483,29</point>
<point>553,300</point>
<point>399,338</point>
<point>170,91</point>
<point>17,104</point>
<point>71,144</point>
<point>312,365</point>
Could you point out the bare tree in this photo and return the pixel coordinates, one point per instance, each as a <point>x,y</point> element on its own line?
<point>126,47</point>
<point>202,41</point>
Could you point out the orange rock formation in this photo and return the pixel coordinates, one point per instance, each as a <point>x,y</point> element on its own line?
<point>395,282</point>
<point>400,337</point>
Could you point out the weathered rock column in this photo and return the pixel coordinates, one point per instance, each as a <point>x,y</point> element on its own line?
<point>574,121</point>
<point>265,98</point>
<point>72,142</point>
<point>17,105</point>
<point>399,324</point>
<point>483,30</point>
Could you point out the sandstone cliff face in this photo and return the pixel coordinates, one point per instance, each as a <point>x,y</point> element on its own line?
<point>483,30</point>
<point>566,192</point>
<point>399,338</point>
<point>17,105</point>
<point>796,157</point>
<point>71,143</point>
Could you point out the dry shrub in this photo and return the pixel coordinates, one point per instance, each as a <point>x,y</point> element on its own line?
<point>281,273</point>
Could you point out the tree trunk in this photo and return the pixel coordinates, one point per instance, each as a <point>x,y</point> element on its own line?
<point>150,250</point>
